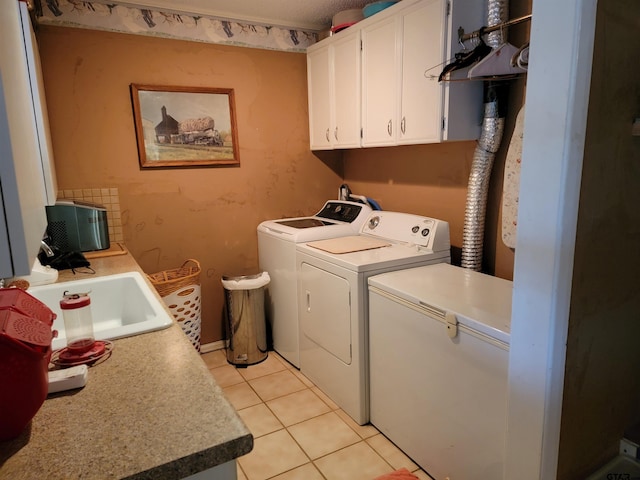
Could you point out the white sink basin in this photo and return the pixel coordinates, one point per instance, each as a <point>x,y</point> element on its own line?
<point>122,305</point>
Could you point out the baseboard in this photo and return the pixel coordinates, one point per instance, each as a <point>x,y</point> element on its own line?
<point>629,448</point>
<point>213,346</point>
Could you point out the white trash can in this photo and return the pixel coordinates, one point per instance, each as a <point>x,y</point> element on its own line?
<point>245,318</point>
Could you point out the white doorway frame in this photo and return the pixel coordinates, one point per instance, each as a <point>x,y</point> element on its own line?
<point>558,83</point>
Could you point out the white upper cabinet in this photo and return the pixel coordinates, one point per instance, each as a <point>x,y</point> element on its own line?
<point>421,94</point>
<point>346,75</point>
<point>399,55</point>
<point>403,50</point>
<point>39,102</point>
<point>333,72</point>
<point>320,92</point>
<point>380,83</point>
<point>27,177</point>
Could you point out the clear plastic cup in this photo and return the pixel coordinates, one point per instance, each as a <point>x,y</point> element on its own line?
<point>78,321</point>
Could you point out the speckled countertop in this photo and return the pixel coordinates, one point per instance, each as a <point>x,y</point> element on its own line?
<point>151,410</point>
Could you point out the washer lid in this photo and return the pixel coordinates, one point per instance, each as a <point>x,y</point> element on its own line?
<point>287,233</point>
<point>337,218</point>
<point>307,222</point>
<point>480,302</point>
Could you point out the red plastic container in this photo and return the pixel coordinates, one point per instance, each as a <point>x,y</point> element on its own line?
<point>25,351</point>
<point>28,330</point>
<point>26,304</point>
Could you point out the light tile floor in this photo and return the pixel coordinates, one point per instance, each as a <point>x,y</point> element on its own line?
<point>299,433</point>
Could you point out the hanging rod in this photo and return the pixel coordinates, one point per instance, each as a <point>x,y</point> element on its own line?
<point>463,37</point>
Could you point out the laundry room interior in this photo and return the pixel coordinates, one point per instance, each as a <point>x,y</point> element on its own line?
<point>572,380</point>
<point>212,214</point>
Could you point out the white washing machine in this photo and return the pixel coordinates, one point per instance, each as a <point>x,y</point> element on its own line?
<point>439,350</point>
<point>277,241</point>
<point>333,298</point>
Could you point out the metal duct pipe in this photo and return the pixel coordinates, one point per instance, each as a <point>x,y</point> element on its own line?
<point>488,145</point>
<point>497,12</point>
<point>478,187</point>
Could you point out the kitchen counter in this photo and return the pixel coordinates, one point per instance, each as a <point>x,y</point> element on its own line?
<point>151,410</point>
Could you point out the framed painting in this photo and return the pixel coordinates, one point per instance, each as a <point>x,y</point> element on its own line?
<point>185,126</point>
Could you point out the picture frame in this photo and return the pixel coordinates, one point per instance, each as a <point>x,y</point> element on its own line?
<point>185,126</point>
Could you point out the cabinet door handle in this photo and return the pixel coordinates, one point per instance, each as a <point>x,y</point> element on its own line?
<point>389,128</point>
<point>327,135</point>
<point>335,133</point>
<point>403,124</point>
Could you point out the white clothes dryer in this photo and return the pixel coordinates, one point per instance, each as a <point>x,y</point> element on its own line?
<point>439,352</point>
<point>277,241</point>
<point>333,298</point>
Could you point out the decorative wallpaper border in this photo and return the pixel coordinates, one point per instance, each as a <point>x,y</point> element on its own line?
<point>124,19</point>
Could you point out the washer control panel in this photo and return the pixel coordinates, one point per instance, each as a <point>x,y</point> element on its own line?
<point>407,228</point>
<point>342,211</point>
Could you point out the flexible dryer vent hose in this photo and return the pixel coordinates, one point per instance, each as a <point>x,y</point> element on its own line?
<point>478,187</point>
<point>488,145</point>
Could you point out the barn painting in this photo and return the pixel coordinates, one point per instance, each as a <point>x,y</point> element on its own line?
<point>185,126</point>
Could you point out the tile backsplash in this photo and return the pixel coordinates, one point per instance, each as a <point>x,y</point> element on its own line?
<point>108,198</point>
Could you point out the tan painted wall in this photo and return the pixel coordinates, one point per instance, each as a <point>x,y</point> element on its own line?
<point>432,180</point>
<point>602,387</point>
<point>209,214</point>
<point>426,180</point>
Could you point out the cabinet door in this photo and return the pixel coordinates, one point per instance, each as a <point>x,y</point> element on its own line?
<point>6,176</point>
<point>319,83</point>
<point>39,100</point>
<point>346,88</point>
<point>21,170</point>
<point>422,50</point>
<point>380,82</point>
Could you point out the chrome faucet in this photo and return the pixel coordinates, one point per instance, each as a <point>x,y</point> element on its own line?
<point>46,249</point>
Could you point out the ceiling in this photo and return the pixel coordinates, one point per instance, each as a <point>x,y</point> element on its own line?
<point>299,14</point>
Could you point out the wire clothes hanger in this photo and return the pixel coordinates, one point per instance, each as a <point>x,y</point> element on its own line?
<point>467,57</point>
<point>498,62</point>
<point>489,62</point>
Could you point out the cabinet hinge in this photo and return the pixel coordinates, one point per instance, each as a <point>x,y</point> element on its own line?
<point>361,133</point>
<point>360,45</point>
<point>444,123</point>
<point>448,8</point>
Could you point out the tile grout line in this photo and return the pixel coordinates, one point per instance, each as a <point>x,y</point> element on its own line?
<point>286,427</point>
<point>312,462</point>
